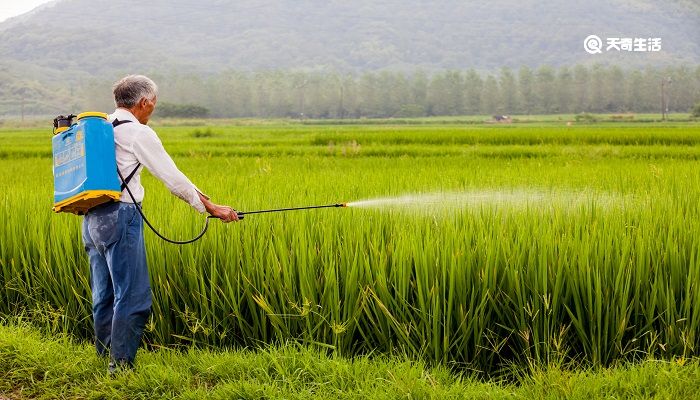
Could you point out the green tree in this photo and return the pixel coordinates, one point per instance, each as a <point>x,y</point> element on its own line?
<point>614,90</point>
<point>525,90</point>
<point>419,87</point>
<point>446,93</point>
<point>683,90</point>
<point>368,98</point>
<point>171,110</point>
<point>695,112</point>
<point>581,89</point>
<point>473,85</point>
<point>508,87</point>
<point>633,91</point>
<point>490,96</point>
<point>545,90</point>
<point>564,90</point>
<point>598,83</point>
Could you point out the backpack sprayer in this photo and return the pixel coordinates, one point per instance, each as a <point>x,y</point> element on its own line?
<point>86,174</point>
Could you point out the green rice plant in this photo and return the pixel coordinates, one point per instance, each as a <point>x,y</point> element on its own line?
<point>586,250</point>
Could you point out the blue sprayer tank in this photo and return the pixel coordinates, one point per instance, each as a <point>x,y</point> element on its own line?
<point>84,163</point>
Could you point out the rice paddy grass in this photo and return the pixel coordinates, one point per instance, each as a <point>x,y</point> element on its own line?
<point>476,247</point>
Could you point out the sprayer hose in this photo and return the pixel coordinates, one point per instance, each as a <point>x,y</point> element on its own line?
<point>138,207</point>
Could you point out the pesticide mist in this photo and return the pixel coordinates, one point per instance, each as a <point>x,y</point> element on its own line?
<point>514,199</point>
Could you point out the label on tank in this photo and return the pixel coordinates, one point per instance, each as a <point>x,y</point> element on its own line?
<point>72,151</point>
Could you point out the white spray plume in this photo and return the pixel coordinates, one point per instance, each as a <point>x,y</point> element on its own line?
<point>516,198</point>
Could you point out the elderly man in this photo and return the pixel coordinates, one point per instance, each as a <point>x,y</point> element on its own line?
<point>113,232</point>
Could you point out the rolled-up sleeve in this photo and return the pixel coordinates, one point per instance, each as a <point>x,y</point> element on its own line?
<point>150,152</point>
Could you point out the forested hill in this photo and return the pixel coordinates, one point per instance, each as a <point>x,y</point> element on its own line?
<point>102,36</point>
<point>53,52</point>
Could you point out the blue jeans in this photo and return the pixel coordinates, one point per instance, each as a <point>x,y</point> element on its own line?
<point>121,291</point>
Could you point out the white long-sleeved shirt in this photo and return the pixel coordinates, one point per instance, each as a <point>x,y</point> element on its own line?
<point>138,143</point>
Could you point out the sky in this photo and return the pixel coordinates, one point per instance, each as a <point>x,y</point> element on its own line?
<point>11,8</point>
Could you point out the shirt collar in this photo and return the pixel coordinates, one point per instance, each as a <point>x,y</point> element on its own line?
<point>123,114</point>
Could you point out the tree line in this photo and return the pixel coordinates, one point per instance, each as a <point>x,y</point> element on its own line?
<point>544,90</point>
<point>298,94</point>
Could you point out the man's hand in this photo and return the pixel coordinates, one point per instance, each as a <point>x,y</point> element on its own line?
<point>224,213</point>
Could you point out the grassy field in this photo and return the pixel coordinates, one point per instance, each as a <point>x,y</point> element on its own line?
<point>508,244</point>
<point>36,366</point>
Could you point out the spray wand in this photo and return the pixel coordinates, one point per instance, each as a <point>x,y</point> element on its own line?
<point>242,213</point>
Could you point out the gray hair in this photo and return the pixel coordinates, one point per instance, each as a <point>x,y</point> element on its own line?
<point>129,90</point>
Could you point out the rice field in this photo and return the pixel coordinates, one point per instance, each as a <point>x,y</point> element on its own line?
<point>476,247</point>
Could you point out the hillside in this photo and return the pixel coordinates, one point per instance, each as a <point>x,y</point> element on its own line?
<point>102,36</point>
<point>81,41</point>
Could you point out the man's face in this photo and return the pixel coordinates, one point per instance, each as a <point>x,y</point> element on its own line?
<point>145,109</point>
<point>150,105</point>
